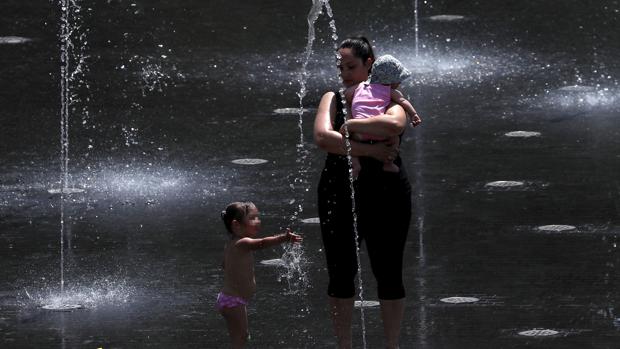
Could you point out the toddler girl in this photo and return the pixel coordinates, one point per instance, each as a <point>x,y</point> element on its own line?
<point>242,223</point>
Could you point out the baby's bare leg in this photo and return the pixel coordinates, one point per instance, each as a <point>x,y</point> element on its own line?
<point>237,322</point>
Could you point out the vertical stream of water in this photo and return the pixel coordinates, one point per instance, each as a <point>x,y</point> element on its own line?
<point>313,15</point>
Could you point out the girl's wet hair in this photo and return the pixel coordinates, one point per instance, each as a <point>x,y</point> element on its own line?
<point>360,47</point>
<point>235,211</point>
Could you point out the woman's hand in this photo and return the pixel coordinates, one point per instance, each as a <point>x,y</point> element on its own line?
<point>344,128</point>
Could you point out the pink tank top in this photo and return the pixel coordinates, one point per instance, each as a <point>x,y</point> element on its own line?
<point>370,100</point>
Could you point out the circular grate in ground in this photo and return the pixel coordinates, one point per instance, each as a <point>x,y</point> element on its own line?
<point>273,262</point>
<point>62,307</point>
<point>13,40</point>
<point>446,18</point>
<point>522,134</point>
<point>66,191</point>
<point>556,228</point>
<point>504,184</point>
<point>366,304</point>
<point>249,161</point>
<point>539,333</point>
<point>460,300</point>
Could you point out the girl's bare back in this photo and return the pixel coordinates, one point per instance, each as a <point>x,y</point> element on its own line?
<point>238,271</point>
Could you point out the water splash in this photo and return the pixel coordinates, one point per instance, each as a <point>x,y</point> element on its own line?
<point>293,253</point>
<point>293,261</point>
<point>95,294</point>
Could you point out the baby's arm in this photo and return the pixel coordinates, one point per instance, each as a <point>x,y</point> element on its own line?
<point>398,97</point>
<point>270,241</point>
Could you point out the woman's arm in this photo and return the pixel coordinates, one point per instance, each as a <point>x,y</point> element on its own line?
<point>332,141</point>
<point>387,125</point>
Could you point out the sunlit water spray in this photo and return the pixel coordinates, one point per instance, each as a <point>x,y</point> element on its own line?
<point>104,292</point>
<point>293,257</point>
<point>72,66</point>
<point>416,27</point>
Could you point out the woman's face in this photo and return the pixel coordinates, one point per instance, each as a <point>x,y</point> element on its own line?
<point>352,69</point>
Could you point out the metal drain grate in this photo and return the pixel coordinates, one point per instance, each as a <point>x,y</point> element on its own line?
<point>275,262</point>
<point>366,304</point>
<point>523,134</point>
<point>556,227</point>
<point>504,184</point>
<point>62,307</point>
<point>460,300</point>
<point>249,161</point>
<point>538,333</point>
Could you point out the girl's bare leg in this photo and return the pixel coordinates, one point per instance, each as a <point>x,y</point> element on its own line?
<point>341,310</point>
<point>392,312</point>
<point>237,322</point>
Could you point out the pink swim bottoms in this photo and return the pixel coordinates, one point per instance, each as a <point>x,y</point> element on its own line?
<point>226,301</point>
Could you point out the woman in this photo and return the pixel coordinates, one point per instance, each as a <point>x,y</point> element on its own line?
<point>383,201</point>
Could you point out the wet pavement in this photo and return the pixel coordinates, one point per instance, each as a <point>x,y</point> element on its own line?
<point>522,226</point>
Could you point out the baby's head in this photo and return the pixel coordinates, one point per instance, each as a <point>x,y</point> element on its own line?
<point>388,70</point>
<point>236,216</point>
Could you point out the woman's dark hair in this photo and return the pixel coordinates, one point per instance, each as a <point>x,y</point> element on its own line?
<point>235,211</point>
<point>361,48</point>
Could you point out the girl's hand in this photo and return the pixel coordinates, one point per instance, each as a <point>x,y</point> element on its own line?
<point>291,237</point>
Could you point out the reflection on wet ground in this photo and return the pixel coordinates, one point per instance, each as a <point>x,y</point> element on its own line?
<point>515,231</point>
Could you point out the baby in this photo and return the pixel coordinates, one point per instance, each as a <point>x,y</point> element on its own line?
<point>371,98</point>
<point>243,224</point>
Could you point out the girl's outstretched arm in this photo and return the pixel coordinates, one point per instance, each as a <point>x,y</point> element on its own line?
<point>270,241</point>
<point>333,141</point>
